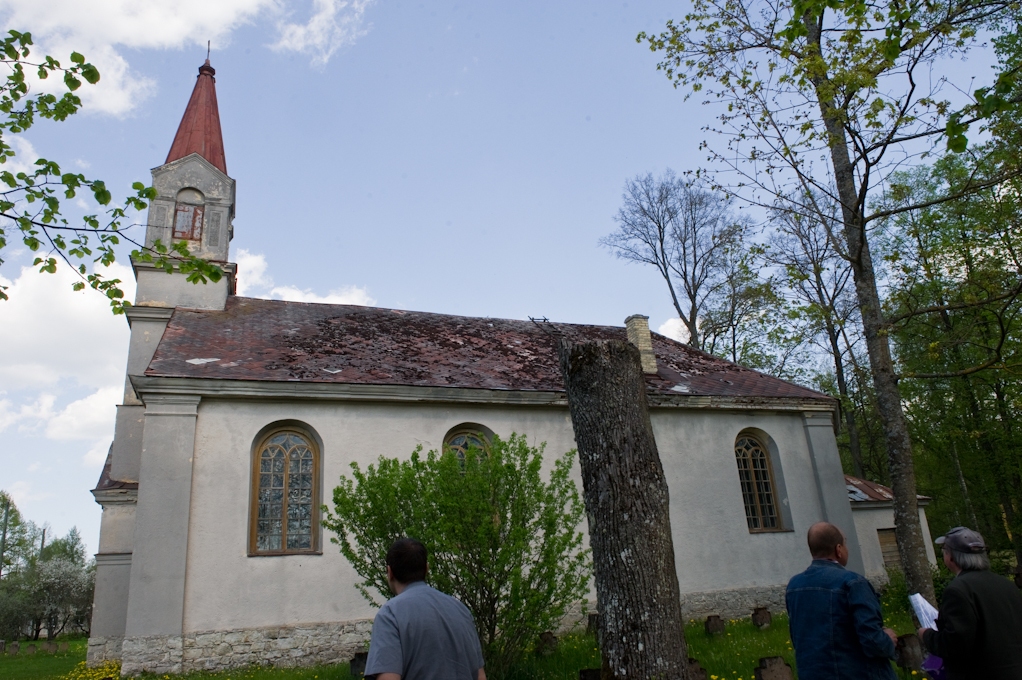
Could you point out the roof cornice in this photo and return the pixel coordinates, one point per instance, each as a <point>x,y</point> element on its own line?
<point>323,391</point>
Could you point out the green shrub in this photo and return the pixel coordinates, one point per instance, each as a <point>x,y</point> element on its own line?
<point>499,539</point>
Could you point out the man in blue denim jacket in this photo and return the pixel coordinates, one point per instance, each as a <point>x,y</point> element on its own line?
<point>834,616</point>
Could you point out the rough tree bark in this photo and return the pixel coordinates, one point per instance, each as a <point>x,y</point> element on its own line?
<point>907,528</point>
<point>626,499</point>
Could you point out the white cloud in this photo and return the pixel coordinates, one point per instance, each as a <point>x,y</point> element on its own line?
<point>675,329</point>
<point>26,416</point>
<point>96,455</point>
<point>22,493</point>
<point>50,333</point>
<point>348,295</point>
<point>334,24</point>
<point>253,281</point>
<point>103,29</point>
<point>88,418</point>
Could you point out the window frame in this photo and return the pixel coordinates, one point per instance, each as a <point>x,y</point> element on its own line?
<point>253,519</point>
<point>775,494</point>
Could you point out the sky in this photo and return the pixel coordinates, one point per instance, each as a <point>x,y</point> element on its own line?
<point>462,158</point>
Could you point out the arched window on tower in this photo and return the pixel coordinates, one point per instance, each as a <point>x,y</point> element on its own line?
<point>188,215</point>
<point>758,488</point>
<point>285,499</point>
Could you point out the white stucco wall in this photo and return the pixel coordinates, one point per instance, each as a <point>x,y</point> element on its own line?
<point>869,517</point>
<point>226,589</point>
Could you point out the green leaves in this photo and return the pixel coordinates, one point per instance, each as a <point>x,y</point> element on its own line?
<point>500,539</point>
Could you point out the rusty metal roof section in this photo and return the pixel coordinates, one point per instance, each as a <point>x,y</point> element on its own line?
<point>274,340</point>
<point>199,131</point>
<point>865,491</point>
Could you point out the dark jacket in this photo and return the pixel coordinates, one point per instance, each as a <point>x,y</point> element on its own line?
<point>837,628</point>
<point>979,628</point>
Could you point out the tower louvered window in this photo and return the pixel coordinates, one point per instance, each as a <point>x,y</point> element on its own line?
<point>756,478</point>
<point>285,498</point>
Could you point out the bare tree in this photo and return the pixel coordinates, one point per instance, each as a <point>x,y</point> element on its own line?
<point>683,230</point>
<point>820,283</point>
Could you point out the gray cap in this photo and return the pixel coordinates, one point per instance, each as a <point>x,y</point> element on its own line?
<point>962,539</point>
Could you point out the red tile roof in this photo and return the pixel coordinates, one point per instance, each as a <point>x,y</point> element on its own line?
<point>199,131</point>
<point>274,340</point>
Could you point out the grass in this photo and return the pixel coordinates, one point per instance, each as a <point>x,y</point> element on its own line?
<point>42,665</point>
<point>730,656</point>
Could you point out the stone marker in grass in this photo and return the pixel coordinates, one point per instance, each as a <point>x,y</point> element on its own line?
<point>29,649</point>
<point>13,648</point>
<point>63,647</point>
<point>49,647</point>
<point>714,625</point>
<point>358,664</point>
<point>761,618</point>
<point>696,671</point>
<point>773,668</point>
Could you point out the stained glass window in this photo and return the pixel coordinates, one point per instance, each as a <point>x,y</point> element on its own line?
<point>757,484</point>
<point>461,442</point>
<point>285,498</point>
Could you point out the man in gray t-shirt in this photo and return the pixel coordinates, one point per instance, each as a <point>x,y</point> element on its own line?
<point>421,633</point>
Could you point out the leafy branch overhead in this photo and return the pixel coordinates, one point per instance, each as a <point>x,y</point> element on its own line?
<point>31,200</point>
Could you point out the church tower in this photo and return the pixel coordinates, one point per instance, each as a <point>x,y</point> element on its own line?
<point>194,203</point>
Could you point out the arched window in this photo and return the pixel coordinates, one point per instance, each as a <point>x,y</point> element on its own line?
<point>467,436</point>
<point>188,215</point>
<point>285,500</point>
<point>758,489</point>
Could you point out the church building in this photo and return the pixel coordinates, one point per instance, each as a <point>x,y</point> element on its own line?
<point>240,415</point>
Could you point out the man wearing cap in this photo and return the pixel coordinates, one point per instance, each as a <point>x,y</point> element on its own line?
<point>979,625</point>
<point>834,616</point>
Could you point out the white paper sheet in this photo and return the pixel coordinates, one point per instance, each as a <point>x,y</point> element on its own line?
<point>926,615</point>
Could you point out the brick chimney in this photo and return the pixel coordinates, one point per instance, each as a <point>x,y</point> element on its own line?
<point>638,334</point>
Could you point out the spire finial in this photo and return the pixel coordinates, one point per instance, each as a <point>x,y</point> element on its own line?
<point>207,51</point>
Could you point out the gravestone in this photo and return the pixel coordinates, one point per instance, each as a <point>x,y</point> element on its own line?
<point>358,664</point>
<point>593,625</point>
<point>63,647</point>
<point>761,618</point>
<point>714,625</point>
<point>589,674</point>
<point>695,671</point>
<point>773,668</point>
<point>547,643</point>
<point>13,648</point>
<point>909,652</point>
<point>49,647</point>
<point>29,649</point>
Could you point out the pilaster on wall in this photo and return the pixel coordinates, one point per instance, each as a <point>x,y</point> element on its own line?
<point>156,597</point>
<point>830,482</point>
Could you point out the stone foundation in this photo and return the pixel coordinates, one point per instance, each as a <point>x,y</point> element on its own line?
<point>735,603</point>
<point>329,643</point>
<point>103,649</point>
<point>288,646</point>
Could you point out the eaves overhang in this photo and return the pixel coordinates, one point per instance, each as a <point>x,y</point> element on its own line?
<point>318,391</point>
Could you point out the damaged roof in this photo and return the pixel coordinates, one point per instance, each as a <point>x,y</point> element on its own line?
<point>276,340</point>
<point>865,491</point>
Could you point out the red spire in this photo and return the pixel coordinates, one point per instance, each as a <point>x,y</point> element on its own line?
<point>199,131</point>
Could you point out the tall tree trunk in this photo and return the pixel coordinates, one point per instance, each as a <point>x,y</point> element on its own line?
<point>626,498</point>
<point>907,528</point>
<point>842,389</point>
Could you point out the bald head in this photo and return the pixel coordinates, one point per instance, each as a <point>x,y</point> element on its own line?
<point>824,538</point>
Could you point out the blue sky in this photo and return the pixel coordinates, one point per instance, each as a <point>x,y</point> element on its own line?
<point>450,157</point>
